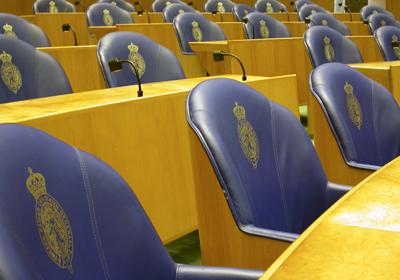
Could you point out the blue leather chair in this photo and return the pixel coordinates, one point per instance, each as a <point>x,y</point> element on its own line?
<point>363,115</point>
<point>388,40</point>
<point>159,5</point>
<point>106,14</point>
<point>121,4</point>
<point>154,62</point>
<point>300,3</point>
<point>368,10</point>
<point>259,25</point>
<point>307,10</point>
<point>220,6</point>
<point>240,11</point>
<point>329,20</point>
<point>171,11</point>
<point>53,6</point>
<point>325,45</point>
<point>27,73</point>
<point>17,27</point>
<point>378,20</point>
<point>67,215</point>
<point>193,27</point>
<point>270,6</point>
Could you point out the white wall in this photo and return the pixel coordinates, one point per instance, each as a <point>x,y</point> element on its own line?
<point>377,2</point>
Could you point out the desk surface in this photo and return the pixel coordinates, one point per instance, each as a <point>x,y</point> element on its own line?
<point>357,238</point>
<point>377,65</point>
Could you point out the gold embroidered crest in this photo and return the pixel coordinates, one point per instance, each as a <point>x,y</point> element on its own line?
<point>268,8</point>
<point>10,73</point>
<point>328,49</point>
<point>353,106</point>
<point>181,11</point>
<point>220,7</point>
<point>107,18</point>
<point>52,223</point>
<point>324,22</point>
<point>313,12</point>
<point>264,31</point>
<point>52,7</point>
<point>245,12</point>
<point>114,3</point>
<point>167,3</point>
<point>374,12</point>
<point>137,59</point>
<point>396,49</point>
<point>247,136</point>
<point>196,31</point>
<point>8,31</point>
<point>383,23</point>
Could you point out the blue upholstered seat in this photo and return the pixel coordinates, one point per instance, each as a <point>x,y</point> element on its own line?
<point>368,10</point>
<point>269,6</point>
<point>325,44</point>
<point>240,11</point>
<point>388,40</point>
<point>363,115</point>
<point>220,6</point>
<point>53,6</point>
<point>154,62</point>
<point>193,27</point>
<point>67,215</point>
<point>329,20</point>
<point>171,11</point>
<point>159,5</point>
<point>260,25</point>
<point>27,73</point>
<point>121,4</point>
<point>300,3</point>
<point>106,14</point>
<point>307,10</point>
<point>378,20</point>
<point>17,27</point>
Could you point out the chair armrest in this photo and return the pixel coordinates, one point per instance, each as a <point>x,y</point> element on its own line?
<point>190,272</point>
<point>334,192</point>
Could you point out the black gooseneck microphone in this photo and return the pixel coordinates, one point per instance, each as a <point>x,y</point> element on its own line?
<point>141,11</point>
<point>284,10</point>
<point>219,56</point>
<point>78,3</point>
<point>245,20</point>
<point>116,65</point>
<point>395,44</point>
<point>66,27</point>
<point>293,7</point>
<point>220,15</point>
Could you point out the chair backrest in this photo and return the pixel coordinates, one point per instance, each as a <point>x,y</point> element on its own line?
<point>27,73</point>
<point>325,45</point>
<point>363,115</point>
<point>307,10</point>
<point>376,21</point>
<point>121,4</point>
<point>388,40</point>
<point>329,20</point>
<point>159,5</point>
<point>220,6</point>
<point>269,6</point>
<point>17,27</point>
<point>259,25</point>
<point>368,10</point>
<point>53,6</point>
<point>261,154</point>
<point>193,27</point>
<point>107,14</point>
<point>67,215</point>
<point>171,11</point>
<point>154,62</point>
<point>240,11</point>
<point>300,3</point>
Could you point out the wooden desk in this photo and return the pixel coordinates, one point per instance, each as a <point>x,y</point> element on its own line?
<point>357,28</point>
<point>144,139</point>
<point>357,238</point>
<point>296,28</point>
<point>224,17</point>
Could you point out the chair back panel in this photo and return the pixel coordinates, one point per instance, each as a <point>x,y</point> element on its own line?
<point>106,14</point>
<point>269,6</point>
<point>260,25</point>
<point>368,10</point>
<point>219,6</point>
<point>307,10</point>
<point>125,5</point>
<point>376,21</point>
<point>385,37</point>
<point>53,6</point>
<point>240,11</point>
<point>158,6</point>
<point>325,19</point>
<point>300,3</point>
<point>171,11</point>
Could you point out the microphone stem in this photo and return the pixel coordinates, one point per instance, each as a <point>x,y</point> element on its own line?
<point>244,77</point>
<point>139,83</point>
<point>75,38</point>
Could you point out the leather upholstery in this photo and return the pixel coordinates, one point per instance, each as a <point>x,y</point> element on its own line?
<point>106,14</point>
<point>183,25</point>
<point>240,11</point>
<point>262,6</point>
<point>65,214</point>
<point>23,30</point>
<point>378,20</point>
<point>40,75</point>
<point>299,4</point>
<point>384,37</point>
<point>159,5</point>
<point>160,64</point>
<point>264,160</point>
<point>329,20</point>
<point>171,11</point>
<point>321,39</point>
<point>307,10</point>
<point>368,10</point>
<point>63,6</point>
<point>121,4</point>
<point>368,134</point>
<point>213,6</point>
<point>260,25</point>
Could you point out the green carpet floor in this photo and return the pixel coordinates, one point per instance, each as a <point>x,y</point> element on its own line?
<point>186,250</point>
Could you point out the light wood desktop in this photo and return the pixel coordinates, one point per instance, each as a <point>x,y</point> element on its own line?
<point>357,238</point>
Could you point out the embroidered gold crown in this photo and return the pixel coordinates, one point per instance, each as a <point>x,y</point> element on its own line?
<point>133,48</point>
<point>114,3</point>
<point>262,22</point>
<point>36,184</point>
<point>7,27</point>
<point>5,57</point>
<point>269,4</point>
<point>106,12</point>
<point>348,89</point>
<point>239,112</point>
<point>395,38</point>
<point>52,3</point>
<point>327,40</point>
<point>220,4</point>
<point>324,22</point>
<point>181,11</point>
<point>195,24</point>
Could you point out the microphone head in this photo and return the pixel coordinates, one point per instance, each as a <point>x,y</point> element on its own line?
<point>395,44</point>
<point>77,2</point>
<point>307,20</point>
<point>115,65</point>
<point>66,27</point>
<point>190,3</point>
<point>136,3</point>
<point>218,56</point>
<point>245,20</point>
